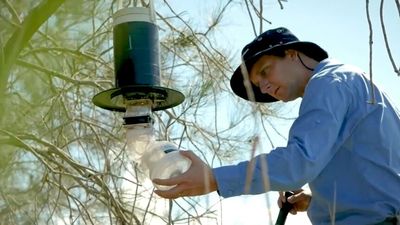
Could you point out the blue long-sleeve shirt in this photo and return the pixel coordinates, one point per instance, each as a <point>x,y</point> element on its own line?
<point>344,147</point>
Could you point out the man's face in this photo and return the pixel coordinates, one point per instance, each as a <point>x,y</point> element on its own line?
<point>279,77</point>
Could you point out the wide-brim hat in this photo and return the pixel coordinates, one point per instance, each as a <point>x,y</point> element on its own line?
<point>266,43</point>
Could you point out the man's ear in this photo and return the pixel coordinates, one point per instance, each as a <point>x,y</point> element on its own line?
<point>291,53</point>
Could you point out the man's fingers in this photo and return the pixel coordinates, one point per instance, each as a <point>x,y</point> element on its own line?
<point>280,199</point>
<point>297,197</point>
<point>168,182</point>
<point>173,193</point>
<point>189,154</point>
<point>299,200</point>
<point>282,196</point>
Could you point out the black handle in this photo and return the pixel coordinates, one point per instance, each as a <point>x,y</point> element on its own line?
<point>283,212</point>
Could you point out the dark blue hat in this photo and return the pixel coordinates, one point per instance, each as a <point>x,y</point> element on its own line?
<point>267,42</point>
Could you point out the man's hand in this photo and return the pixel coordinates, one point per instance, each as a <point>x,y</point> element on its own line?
<point>300,200</point>
<point>198,180</point>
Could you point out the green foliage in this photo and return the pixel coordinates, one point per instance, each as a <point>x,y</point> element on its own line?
<point>62,158</point>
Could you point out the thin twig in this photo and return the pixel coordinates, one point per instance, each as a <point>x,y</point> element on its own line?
<point>372,94</point>
<point>251,166</point>
<point>251,18</point>
<point>396,70</point>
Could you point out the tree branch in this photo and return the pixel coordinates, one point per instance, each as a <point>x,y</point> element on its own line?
<point>386,40</point>
<point>22,35</point>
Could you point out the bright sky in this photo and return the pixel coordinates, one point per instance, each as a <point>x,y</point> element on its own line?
<point>341,28</point>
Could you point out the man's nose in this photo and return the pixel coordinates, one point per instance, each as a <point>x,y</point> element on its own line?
<point>265,86</point>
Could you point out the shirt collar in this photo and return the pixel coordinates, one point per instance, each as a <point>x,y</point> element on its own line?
<point>325,64</point>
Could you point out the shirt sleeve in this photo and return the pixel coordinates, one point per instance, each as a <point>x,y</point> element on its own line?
<point>313,141</point>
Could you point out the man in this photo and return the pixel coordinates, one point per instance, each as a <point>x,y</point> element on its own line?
<point>344,144</point>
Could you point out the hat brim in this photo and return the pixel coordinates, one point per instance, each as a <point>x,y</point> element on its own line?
<point>310,49</point>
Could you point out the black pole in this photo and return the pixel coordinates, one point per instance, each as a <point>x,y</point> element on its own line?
<point>283,212</point>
